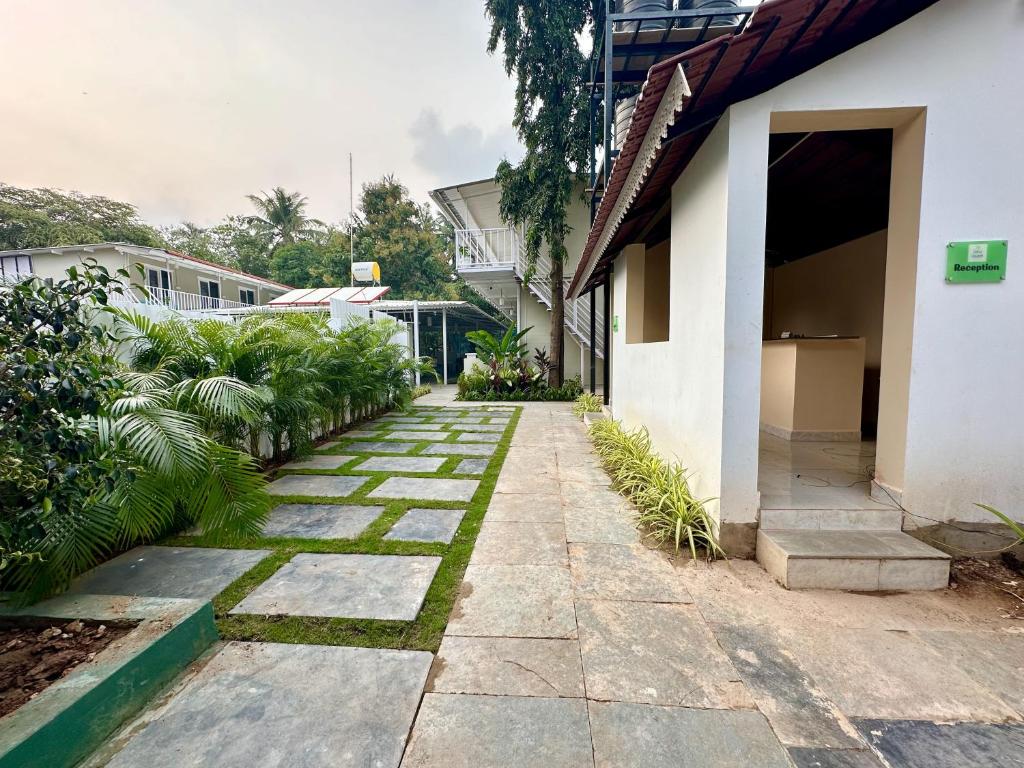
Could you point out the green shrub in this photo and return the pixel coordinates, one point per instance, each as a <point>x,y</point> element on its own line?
<point>659,489</point>
<point>587,403</point>
<point>421,390</point>
<point>470,388</point>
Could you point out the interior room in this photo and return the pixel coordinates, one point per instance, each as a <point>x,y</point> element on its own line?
<point>825,260</point>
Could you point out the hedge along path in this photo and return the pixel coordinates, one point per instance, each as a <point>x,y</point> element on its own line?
<point>425,632</point>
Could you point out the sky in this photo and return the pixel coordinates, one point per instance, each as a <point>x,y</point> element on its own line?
<point>183,107</point>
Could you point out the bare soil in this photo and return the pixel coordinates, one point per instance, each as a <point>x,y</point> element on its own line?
<point>1003,579</point>
<point>36,653</point>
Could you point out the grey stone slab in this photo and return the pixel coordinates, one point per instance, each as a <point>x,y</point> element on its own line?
<point>472,466</point>
<point>345,586</point>
<point>514,601</point>
<point>381,446</point>
<point>401,464</point>
<point>515,543</point>
<point>599,526</point>
<point>462,420</point>
<point>197,573</point>
<point>436,489</point>
<point>499,731</point>
<point>329,461</point>
<point>269,704</point>
<point>598,572</point>
<point>813,757</point>
<point>800,714</point>
<point>415,427</point>
<point>655,653</point>
<point>643,736</point>
<point>460,449</point>
<point>320,521</point>
<point>460,427</point>
<point>592,496</point>
<point>361,434</point>
<point>478,437</point>
<point>508,666</point>
<point>516,477</point>
<point>403,419</point>
<point>316,485</point>
<point>913,744</point>
<point>405,434</point>
<point>994,661</point>
<point>427,525</point>
<point>328,446</point>
<point>524,508</point>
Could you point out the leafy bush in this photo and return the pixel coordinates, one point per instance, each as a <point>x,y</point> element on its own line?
<point>420,391</point>
<point>508,375</point>
<point>587,403</point>
<point>474,387</point>
<point>659,489</point>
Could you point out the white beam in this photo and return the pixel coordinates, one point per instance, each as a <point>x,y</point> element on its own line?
<point>416,335</point>
<point>444,343</point>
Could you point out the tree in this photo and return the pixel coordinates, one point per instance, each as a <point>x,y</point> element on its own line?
<point>283,214</point>
<point>539,39</point>
<point>194,240</point>
<point>36,218</point>
<point>299,265</point>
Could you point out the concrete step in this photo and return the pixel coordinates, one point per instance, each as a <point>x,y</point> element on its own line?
<point>869,561</point>
<point>877,519</point>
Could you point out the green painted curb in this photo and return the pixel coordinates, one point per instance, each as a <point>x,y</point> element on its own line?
<point>72,717</point>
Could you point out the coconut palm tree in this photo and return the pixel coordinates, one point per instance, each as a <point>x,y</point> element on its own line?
<point>283,214</point>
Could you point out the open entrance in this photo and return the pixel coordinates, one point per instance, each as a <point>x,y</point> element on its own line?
<point>827,236</point>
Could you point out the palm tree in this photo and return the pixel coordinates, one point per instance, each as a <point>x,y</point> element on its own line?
<point>283,214</point>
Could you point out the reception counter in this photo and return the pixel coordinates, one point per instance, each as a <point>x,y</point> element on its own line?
<point>812,388</point>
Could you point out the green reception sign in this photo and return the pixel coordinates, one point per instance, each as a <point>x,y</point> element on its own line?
<point>976,261</point>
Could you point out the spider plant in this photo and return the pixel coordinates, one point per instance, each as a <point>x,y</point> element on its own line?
<point>587,403</point>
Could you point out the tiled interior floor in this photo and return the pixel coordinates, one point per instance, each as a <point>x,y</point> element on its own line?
<point>813,475</point>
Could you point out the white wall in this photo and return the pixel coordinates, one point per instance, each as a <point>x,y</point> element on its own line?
<point>962,63</point>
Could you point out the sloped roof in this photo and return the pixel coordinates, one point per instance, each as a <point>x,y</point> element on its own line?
<point>783,39</point>
<point>311,297</point>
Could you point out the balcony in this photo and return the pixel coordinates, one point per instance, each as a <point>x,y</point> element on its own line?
<point>177,300</point>
<point>486,250</point>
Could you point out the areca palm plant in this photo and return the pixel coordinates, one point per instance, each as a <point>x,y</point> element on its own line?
<point>284,214</point>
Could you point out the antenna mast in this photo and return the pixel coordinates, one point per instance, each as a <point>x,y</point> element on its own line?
<point>351,223</point>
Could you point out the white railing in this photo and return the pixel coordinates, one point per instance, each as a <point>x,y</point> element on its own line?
<point>179,300</point>
<point>488,249</point>
<point>482,249</point>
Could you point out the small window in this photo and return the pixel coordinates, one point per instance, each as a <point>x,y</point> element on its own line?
<point>247,296</point>
<point>15,267</point>
<point>158,281</point>
<point>210,293</point>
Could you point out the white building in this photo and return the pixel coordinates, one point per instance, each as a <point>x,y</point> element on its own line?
<point>820,171</point>
<point>175,280</point>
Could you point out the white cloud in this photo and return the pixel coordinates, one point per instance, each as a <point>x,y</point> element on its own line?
<point>462,152</point>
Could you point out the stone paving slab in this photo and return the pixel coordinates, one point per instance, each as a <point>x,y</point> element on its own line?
<point>401,464</point>
<point>435,489</point>
<point>381,446</point>
<point>514,543</point>
<point>458,419</point>
<point>508,666</point>
<point>198,573</point>
<point>812,757</point>
<point>591,496</point>
<point>514,601</point>
<point>345,586</point>
<point>320,521</point>
<point>478,437</point>
<point>995,661</point>
<point>598,572</point>
<point>499,731</point>
<point>472,466</point>
<point>525,482</point>
<point>460,427</point>
<point>460,449</point>
<point>270,704</point>
<point>655,653</point>
<point>599,526</point>
<point>359,434</point>
<point>643,736</point>
<point>329,461</point>
<point>915,744</point>
<point>524,508</point>
<point>316,485</point>
<point>328,446</point>
<point>433,437</point>
<point>437,525</point>
<point>415,427</point>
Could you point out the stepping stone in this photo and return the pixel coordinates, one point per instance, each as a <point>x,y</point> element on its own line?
<point>381,446</point>
<point>478,428</point>
<point>328,446</point>
<point>197,573</point>
<point>464,420</point>
<point>401,464</point>
<point>388,587</point>
<point>434,437</point>
<point>329,461</point>
<point>457,449</point>
<point>315,485</point>
<point>320,521</point>
<point>642,736</point>
<point>508,666</point>
<point>472,466</point>
<point>427,525</point>
<point>478,437</point>
<point>435,489</point>
<point>417,427</point>
<point>346,706</point>
<point>362,433</point>
<point>478,731</point>
<point>404,419</point>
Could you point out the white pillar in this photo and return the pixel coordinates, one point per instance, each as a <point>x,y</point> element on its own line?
<point>444,343</point>
<point>416,335</point>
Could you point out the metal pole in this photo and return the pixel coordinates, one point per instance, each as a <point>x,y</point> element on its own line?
<point>609,61</point>
<point>444,343</point>
<point>416,335</point>
<point>352,225</point>
<point>607,336</point>
<point>593,341</point>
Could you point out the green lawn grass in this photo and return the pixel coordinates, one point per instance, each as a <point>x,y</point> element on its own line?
<point>422,634</point>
